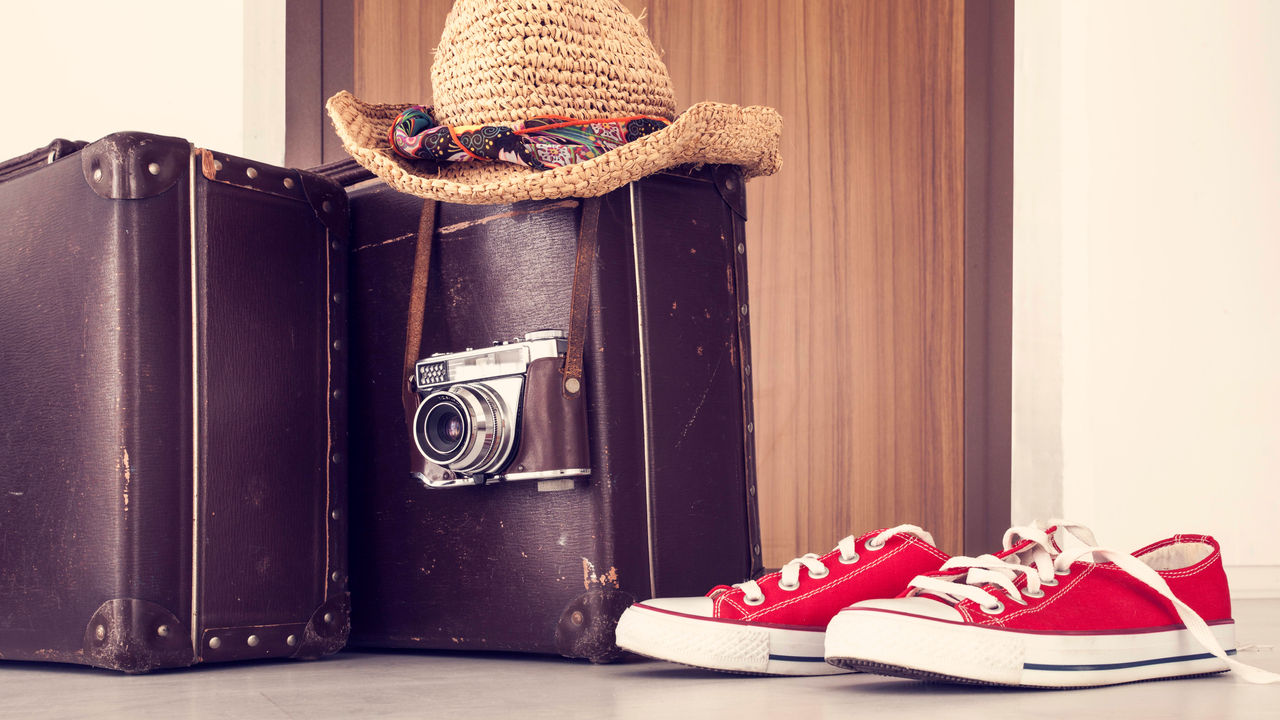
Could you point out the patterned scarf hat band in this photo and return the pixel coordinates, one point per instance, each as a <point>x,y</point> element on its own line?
<point>541,143</point>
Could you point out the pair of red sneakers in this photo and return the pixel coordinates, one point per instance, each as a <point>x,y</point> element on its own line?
<point>1050,610</point>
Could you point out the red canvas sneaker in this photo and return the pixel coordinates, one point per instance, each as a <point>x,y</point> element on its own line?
<point>1040,616</point>
<point>775,625</point>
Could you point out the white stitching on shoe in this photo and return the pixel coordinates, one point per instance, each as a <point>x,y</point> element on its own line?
<point>858,570</point>
<point>1069,585</point>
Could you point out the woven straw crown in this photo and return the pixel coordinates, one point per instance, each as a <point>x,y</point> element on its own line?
<point>500,61</point>
<point>503,61</point>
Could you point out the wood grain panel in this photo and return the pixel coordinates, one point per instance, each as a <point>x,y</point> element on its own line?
<point>856,247</point>
<point>395,41</point>
<point>855,250</point>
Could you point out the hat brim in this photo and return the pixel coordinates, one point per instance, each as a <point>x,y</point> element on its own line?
<point>708,132</point>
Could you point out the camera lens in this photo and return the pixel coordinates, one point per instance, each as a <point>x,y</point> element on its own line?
<point>442,428</point>
<point>445,428</point>
<point>463,428</point>
<point>450,428</point>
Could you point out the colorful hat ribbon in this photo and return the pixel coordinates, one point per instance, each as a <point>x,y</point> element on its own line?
<point>541,143</point>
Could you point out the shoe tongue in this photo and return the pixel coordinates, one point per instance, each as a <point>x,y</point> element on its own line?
<point>1064,537</point>
<point>1071,537</point>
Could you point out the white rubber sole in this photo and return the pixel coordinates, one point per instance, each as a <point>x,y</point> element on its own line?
<point>925,648</point>
<point>722,645</point>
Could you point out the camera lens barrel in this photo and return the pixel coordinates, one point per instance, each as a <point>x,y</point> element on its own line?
<point>444,429</point>
<point>464,428</point>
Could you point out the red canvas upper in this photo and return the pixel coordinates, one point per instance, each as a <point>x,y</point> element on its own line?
<point>1101,597</point>
<point>877,573</point>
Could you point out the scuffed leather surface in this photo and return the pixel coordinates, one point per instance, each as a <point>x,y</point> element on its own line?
<point>97,441</point>
<point>94,440</point>
<point>494,567</point>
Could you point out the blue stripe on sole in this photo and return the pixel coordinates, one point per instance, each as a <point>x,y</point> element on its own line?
<point>1120,666</point>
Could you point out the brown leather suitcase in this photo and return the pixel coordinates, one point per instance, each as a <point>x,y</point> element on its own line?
<point>173,363</point>
<point>667,502</point>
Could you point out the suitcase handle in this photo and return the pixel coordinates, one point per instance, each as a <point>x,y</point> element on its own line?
<point>38,158</point>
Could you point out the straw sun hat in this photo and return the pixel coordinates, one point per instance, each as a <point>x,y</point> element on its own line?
<point>507,62</point>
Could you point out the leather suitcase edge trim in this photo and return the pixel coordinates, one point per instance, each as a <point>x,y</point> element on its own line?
<point>731,181</point>
<point>645,399</point>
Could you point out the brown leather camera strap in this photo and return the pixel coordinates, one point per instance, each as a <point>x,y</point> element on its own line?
<point>583,265</point>
<point>417,307</point>
<point>584,262</point>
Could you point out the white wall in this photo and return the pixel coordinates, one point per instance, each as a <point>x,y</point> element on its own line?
<point>81,69</point>
<point>1147,273</point>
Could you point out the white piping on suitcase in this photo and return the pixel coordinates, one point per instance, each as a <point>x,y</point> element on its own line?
<point>644,383</point>
<point>330,351</point>
<point>195,411</point>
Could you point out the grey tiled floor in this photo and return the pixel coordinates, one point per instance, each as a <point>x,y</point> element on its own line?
<point>446,685</point>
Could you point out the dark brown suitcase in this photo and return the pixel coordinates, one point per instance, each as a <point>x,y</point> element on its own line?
<point>669,505</point>
<point>172,470</point>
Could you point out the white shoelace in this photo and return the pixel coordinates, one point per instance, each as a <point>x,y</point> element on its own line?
<point>848,548</point>
<point>1044,565</point>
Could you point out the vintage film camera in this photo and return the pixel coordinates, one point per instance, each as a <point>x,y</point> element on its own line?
<point>500,414</point>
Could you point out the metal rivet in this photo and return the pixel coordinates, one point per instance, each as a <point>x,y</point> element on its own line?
<point>97,174</point>
<point>163,631</point>
<point>215,642</point>
<point>335,514</point>
<point>572,385</point>
<point>337,394</point>
<point>288,183</point>
<point>154,168</point>
<point>336,576</point>
<point>337,458</point>
<point>100,632</point>
<point>326,206</point>
<point>337,344</point>
<point>252,172</point>
<point>743,309</point>
<point>337,298</point>
<point>253,641</point>
<point>748,369</point>
<point>292,640</point>
<point>751,427</point>
<point>751,490</point>
<point>741,248</point>
<point>756,549</point>
<point>334,245</point>
<point>576,618</point>
<point>217,164</point>
<point>328,617</point>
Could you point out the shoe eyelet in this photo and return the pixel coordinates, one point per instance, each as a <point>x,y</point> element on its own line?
<point>817,576</point>
<point>873,546</point>
<point>1051,582</point>
<point>993,609</point>
<point>790,587</point>
<point>753,601</point>
<point>1034,596</point>
<point>849,560</point>
<point>1062,573</point>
